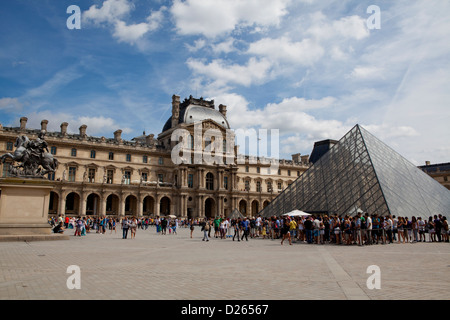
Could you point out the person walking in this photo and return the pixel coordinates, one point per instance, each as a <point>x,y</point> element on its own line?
<point>206,227</point>
<point>133,227</point>
<point>236,225</point>
<point>125,227</point>
<point>191,223</point>
<point>245,228</point>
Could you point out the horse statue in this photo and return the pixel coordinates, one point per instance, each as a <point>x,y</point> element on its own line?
<point>31,156</point>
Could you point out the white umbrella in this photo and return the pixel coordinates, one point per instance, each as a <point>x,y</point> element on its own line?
<point>296,213</point>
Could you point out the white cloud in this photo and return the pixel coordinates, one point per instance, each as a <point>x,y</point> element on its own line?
<point>129,33</point>
<point>224,47</point>
<point>110,11</point>
<point>12,104</point>
<point>367,72</point>
<point>349,27</point>
<point>283,50</point>
<point>198,44</point>
<point>222,73</point>
<point>214,18</point>
<point>113,12</point>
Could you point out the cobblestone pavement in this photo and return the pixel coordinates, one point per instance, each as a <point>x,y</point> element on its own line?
<point>174,267</point>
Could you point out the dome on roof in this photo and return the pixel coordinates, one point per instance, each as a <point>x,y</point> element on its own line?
<point>195,113</point>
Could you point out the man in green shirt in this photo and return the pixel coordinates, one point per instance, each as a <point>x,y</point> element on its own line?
<point>217,221</point>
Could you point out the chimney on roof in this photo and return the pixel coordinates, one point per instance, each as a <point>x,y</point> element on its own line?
<point>44,124</point>
<point>83,131</point>
<point>427,163</point>
<point>305,159</point>
<point>118,135</point>
<point>296,158</point>
<point>223,110</point>
<point>64,126</point>
<point>23,123</point>
<point>175,110</point>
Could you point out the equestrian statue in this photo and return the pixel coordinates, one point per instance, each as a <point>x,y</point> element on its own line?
<point>32,157</point>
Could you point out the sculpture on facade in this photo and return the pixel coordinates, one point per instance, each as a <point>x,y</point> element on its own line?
<point>32,157</point>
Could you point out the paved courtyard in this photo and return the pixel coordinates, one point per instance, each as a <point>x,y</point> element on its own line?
<point>156,267</point>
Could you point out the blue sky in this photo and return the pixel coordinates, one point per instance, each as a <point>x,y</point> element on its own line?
<point>311,69</point>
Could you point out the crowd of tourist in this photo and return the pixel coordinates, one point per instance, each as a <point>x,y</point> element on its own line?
<point>362,229</point>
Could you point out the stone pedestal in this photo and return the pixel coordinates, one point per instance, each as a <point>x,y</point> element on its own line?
<point>24,210</point>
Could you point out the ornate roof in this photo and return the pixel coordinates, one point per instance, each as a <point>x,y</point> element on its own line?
<point>194,110</point>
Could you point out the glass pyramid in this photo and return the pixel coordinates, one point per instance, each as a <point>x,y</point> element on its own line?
<point>361,173</point>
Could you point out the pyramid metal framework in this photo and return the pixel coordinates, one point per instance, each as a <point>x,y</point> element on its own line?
<point>361,173</point>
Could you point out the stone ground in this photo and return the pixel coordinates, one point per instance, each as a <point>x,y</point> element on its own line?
<point>176,267</point>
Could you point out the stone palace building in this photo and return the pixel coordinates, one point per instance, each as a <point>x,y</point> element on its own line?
<point>115,177</point>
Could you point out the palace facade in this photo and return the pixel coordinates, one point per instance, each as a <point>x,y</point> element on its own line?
<point>115,177</point>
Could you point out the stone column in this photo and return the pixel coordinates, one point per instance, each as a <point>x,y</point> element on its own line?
<point>140,205</point>
<point>62,203</point>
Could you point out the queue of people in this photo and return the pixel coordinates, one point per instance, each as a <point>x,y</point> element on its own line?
<point>362,229</point>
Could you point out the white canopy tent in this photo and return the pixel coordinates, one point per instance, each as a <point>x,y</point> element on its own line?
<point>296,213</point>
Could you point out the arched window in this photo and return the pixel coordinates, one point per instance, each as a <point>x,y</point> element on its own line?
<point>209,181</point>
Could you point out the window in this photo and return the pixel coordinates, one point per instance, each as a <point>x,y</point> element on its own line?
<point>298,173</point>
<point>160,177</point>
<point>279,172</point>
<point>128,157</point>
<point>144,159</point>
<point>280,186</point>
<point>73,153</point>
<point>258,186</point>
<point>92,154</point>
<point>127,177</point>
<point>144,176</point>
<point>190,180</point>
<point>111,156</point>
<point>246,169</point>
<point>209,181</point>
<point>72,173</point>
<point>6,166</point>
<point>9,146</point>
<point>258,170</point>
<point>224,146</point>
<point>160,161</point>
<point>225,183</point>
<point>289,172</point>
<point>51,176</point>
<point>91,175</point>
<point>269,186</point>
<point>53,150</point>
<point>247,185</point>
<point>109,176</point>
